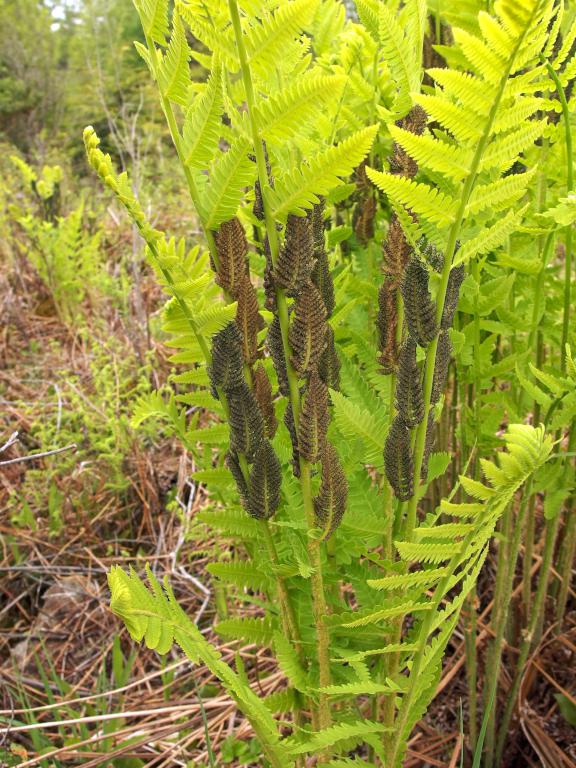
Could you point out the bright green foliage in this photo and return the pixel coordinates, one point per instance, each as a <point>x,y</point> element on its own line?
<point>268,143</point>
<point>153,615</point>
<point>66,255</point>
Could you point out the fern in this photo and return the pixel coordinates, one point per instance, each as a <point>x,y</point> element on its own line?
<point>280,116</point>
<point>230,174</point>
<point>300,189</point>
<point>154,18</point>
<point>357,423</point>
<point>153,615</point>
<point>173,74</point>
<point>201,128</point>
<point>265,38</point>
<point>304,419</point>
<point>257,631</point>
<point>336,733</point>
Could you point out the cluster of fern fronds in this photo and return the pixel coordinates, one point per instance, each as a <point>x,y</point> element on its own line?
<point>326,376</point>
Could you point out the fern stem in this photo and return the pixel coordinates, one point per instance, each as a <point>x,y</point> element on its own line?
<point>531,637</point>
<point>446,268</point>
<point>537,341</point>
<point>505,572</point>
<point>569,188</point>
<point>399,736</point>
<point>566,564</point>
<point>286,609</point>
<point>470,629</point>
<point>177,141</point>
<point>317,580</point>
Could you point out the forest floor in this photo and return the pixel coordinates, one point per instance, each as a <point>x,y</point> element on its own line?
<point>72,694</point>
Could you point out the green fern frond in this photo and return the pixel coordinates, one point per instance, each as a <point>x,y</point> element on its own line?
<point>242,573</point>
<point>299,189</point>
<point>330,736</point>
<point>491,238</point>
<point>174,72</point>
<point>230,174</point>
<point>231,522</point>
<point>463,87</point>
<point>423,579</point>
<point>483,60</point>
<point>402,648</point>
<point>422,199</point>
<point>289,663</point>
<point>154,17</point>
<point>424,552</point>
<point>444,531</point>
<point>217,38</point>
<point>251,631</point>
<point>504,150</point>
<point>119,184</point>
<point>401,608</point>
<point>361,688</point>
<point>266,38</point>
<point>153,615</point>
<point>451,116</point>
<point>399,52</point>
<point>214,477</point>
<point>448,159</point>
<point>499,194</point>
<point>460,510</point>
<point>356,423</point>
<point>284,113</point>
<point>202,123</point>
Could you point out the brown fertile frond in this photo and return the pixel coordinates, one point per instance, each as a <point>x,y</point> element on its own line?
<point>387,323</point>
<point>396,250</point>
<point>363,219</point>
<point>329,364</point>
<point>322,279</point>
<point>398,462</point>
<point>409,395</point>
<point>269,285</point>
<point>455,281</point>
<point>258,207</point>
<point>317,218</point>
<point>314,420</point>
<point>330,503</point>
<point>276,348</point>
<point>307,333</point>
<point>433,255</point>
<point>401,163</point>
<point>443,354</point>
<point>249,320</point>
<point>246,421</point>
<point>415,120</point>
<point>232,248</point>
<point>265,483</point>
<point>363,183</point>
<point>296,259</point>
<point>226,369</point>
<point>233,464</point>
<point>419,308</point>
<point>263,393</point>
<point>321,275</point>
